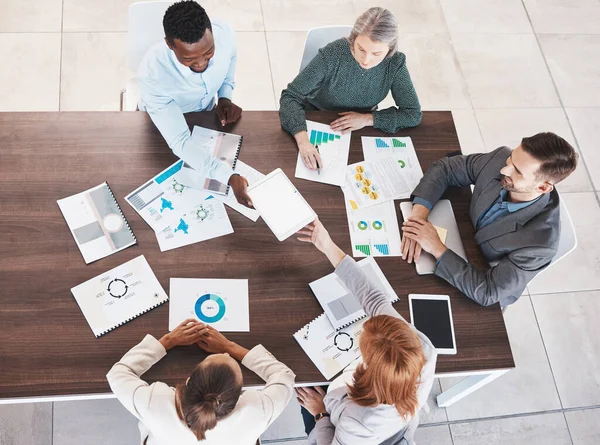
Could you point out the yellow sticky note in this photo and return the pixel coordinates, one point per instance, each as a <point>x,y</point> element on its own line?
<point>442,233</point>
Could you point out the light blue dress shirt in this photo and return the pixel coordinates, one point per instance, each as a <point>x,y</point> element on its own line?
<point>168,89</point>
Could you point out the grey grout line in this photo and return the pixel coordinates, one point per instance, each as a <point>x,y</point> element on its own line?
<point>450,432</point>
<point>268,55</point>
<point>60,65</point>
<point>566,291</point>
<point>560,101</point>
<point>568,429</point>
<point>546,351</point>
<point>52,426</point>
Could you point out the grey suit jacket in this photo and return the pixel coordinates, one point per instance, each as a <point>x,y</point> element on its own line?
<point>523,243</point>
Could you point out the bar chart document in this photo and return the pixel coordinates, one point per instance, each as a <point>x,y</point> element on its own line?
<point>340,305</point>
<point>223,304</point>
<point>374,231</point>
<point>334,148</point>
<point>401,149</point>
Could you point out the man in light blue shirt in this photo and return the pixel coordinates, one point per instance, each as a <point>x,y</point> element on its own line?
<point>195,64</point>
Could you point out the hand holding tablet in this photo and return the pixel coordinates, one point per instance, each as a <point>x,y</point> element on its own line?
<point>281,206</point>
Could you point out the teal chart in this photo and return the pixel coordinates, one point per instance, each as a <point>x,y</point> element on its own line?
<point>210,308</point>
<point>222,304</point>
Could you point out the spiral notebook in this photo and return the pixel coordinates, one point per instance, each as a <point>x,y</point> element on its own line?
<point>96,222</point>
<point>221,145</point>
<point>331,350</point>
<point>119,295</point>
<point>340,305</point>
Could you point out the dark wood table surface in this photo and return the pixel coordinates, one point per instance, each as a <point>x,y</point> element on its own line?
<point>46,345</point>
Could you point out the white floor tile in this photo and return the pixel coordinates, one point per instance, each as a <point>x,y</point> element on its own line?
<point>413,15</point>
<point>26,424</point>
<point>93,71</point>
<point>508,127</point>
<point>94,422</point>
<point>574,69</point>
<point>95,15</point>
<point>302,15</point>
<point>570,329</point>
<point>288,442</point>
<point>527,388</point>
<point>580,270</point>
<point>253,82</point>
<point>486,16</point>
<point>584,426</point>
<point>468,131</point>
<point>564,16</point>
<point>30,15</point>
<point>285,55</point>
<point>435,71</point>
<point>29,72</point>
<point>587,131</point>
<point>545,429</point>
<point>435,414</point>
<point>504,71</point>
<point>242,15</point>
<point>430,435</point>
<point>288,425</point>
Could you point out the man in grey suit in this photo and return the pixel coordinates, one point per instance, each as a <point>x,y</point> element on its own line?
<point>514,209</point>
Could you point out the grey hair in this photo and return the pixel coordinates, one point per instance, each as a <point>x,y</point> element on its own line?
<point>379,25</point>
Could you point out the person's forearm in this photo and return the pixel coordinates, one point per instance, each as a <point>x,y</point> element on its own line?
<point>301,137</point>
<point>420,211</point>
<point>333,253</point>
<point>236,351</point>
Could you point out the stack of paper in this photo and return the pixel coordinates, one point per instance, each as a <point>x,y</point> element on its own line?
<point>180,215</point>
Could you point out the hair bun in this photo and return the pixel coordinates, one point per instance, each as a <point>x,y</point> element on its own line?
<point>213,399</point>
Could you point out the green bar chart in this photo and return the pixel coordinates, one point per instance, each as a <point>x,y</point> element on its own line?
<point>320,137</point>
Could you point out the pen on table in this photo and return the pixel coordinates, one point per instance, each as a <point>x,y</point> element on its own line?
<point>306,333</point>
<point>318,168</point>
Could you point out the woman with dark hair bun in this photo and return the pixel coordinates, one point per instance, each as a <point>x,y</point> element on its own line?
<point>210,407</point>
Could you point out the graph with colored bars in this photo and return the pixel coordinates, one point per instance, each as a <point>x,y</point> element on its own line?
<point>366,248</point>
<point>320,137</point>
<point>381,143</point>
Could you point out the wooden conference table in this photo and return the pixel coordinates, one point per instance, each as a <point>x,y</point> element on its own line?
<point>47,349</point>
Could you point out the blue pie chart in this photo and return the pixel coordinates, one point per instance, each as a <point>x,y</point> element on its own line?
<point>209,308</point>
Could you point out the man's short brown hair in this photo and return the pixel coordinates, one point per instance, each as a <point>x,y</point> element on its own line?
<point>558,158</point>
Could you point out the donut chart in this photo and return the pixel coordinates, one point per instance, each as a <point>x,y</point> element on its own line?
<point>209,308</point>
<point>362,225</point>
<point>377,225</point>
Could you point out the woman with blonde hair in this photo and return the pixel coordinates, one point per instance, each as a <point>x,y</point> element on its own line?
<point>210,407</point>
<point>377,399</point>
<point>352,76</point>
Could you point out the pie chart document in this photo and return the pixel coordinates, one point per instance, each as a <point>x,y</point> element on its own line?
<point>221,303</point>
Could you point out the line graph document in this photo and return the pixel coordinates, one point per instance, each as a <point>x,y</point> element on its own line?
<point>334,148</point>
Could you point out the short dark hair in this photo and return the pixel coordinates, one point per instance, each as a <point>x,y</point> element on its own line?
<point>558,158</point>
<point>210,394</point>
<point>186,21</point>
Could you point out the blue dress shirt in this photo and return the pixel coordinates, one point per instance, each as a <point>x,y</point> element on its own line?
<point>168,89</point>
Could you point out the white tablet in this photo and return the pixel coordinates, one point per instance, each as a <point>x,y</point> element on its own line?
<point>281,206</point>
<point>432,315</point>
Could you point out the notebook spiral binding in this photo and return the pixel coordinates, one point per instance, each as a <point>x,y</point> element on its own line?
<point>120,211</point>
<point>301,332</point>
<point>235,159</point>
<point>129,319</point>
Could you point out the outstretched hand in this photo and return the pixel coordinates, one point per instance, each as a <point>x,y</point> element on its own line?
<point>239,185</point>
<point>318,235</point>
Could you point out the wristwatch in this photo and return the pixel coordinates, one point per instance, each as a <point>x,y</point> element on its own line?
<point>320,416</point>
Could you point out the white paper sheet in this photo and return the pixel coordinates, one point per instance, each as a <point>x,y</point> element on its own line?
<point>206,220</point>
<point>334,148</point>
<point>374,231</point>
<point>330,350</point>
<point>252,175</point>
<point>223,304</point>
<point>399,148</point>
<point>119,295</point>
<point>372,182</point>
<point>164,199</point>
<point>340,305</point>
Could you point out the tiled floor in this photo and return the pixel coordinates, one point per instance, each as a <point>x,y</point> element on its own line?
<point>506,68</point>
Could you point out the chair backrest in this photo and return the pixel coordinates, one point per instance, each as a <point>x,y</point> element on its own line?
<point>568,238</point>
<point>145,29</point>
<point>317,38</point>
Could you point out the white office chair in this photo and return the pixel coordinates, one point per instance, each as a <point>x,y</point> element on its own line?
<point>145,29</point>
<point>317,38</point>
<point>567,242</point>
